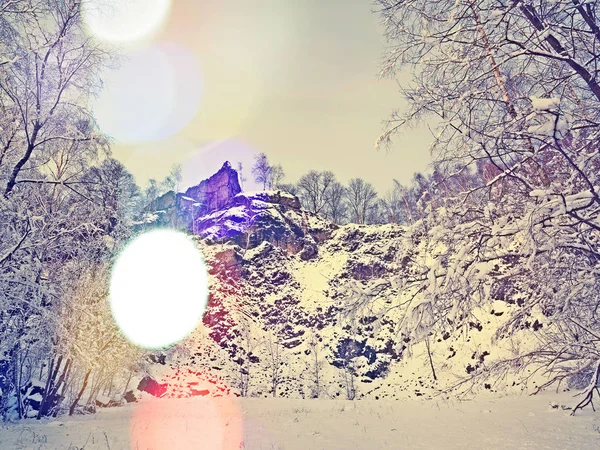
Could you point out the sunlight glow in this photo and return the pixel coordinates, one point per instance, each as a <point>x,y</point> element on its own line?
<point>158,288</point>
<point>124,20</point>
<point>154,95</point>
<point>187,424</point>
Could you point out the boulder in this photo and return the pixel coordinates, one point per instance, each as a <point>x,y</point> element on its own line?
<point>130,397</point>
<point>103,401</point>
<point>152,387</point>
<point>309,250</point>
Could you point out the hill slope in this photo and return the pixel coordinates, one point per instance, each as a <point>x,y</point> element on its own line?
<point>301,307</point>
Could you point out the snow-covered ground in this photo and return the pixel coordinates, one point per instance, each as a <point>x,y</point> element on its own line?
<point>203,423</point>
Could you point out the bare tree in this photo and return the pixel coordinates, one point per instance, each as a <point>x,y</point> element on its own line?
<point>314,189</point>
<point>277,176</point>
<point>336,207</point>
<point>246,358</point>
<point>275,361</point>
<point>172,180</point>
<point>392,205</point>
<point>362,198</point>
<point>316,364</point>
<point>261,170</point>
<point>151,192</point>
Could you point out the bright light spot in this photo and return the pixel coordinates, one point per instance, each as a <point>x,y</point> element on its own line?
<point>152,96</point>
<point>124,20</point>
<point>187,424</point>
<point>158,289</point>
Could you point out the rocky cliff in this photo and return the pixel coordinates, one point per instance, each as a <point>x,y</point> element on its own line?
<point>274,217</point>
<point>215,192</point>
<point>300,307</point>
<point>217,211</point>
<point>181,209</point>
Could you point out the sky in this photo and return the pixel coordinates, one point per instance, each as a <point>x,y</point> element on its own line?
<point>224,80</point>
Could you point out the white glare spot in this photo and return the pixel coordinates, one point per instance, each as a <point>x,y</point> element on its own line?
<point>124,20</point>
<point>158,289</point>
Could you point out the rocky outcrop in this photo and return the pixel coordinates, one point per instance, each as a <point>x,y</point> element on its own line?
<point>216,192</point>
<point>273,217</point>
<point>285,200</point>
<point>176,209</point>
<point>219,212</point>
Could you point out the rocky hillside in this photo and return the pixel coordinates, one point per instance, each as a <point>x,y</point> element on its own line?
<point>300,307</point>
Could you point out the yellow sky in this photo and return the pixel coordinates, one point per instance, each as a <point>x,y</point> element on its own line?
<point>294,79</point>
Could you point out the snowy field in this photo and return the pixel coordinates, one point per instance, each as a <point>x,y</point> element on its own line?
<point>270,424</point>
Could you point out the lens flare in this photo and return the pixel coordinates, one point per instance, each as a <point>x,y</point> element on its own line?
<point>124,20</point>
<point>158,289</point>
<point>187,424</point>
<point>154,95</point>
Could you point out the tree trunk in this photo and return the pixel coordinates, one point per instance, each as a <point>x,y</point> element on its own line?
<point>317,374</point>
<point>50,402</point>
<point>16,380</point>
<point>12,180</point>
<point>589,397</point>
<point>430,359</point>
<point>49,385</point>
<point>81,391</point>
<point>127,384</point>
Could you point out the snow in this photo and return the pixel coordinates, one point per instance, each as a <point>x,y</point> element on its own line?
<point>542,104</point>
<point>238,211</point>
<point>103,399</point>
<point>35,397</point>
<point>551,128</point>
<point>497,423</point>
<point>539,193</point>
<point>267,193</point>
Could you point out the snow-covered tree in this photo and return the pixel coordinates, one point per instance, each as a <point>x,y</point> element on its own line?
<point>173,179</point>
<point>65,208</point>
<point>512,89</point>
<point>50,69</point>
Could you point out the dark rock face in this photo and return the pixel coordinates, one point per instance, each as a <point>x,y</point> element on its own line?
<point>179,210</point>
<point>273,217</point>
<point>219,212</point>
<point>216,192</point>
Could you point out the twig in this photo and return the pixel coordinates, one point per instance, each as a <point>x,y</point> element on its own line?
<point>589,395</point>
